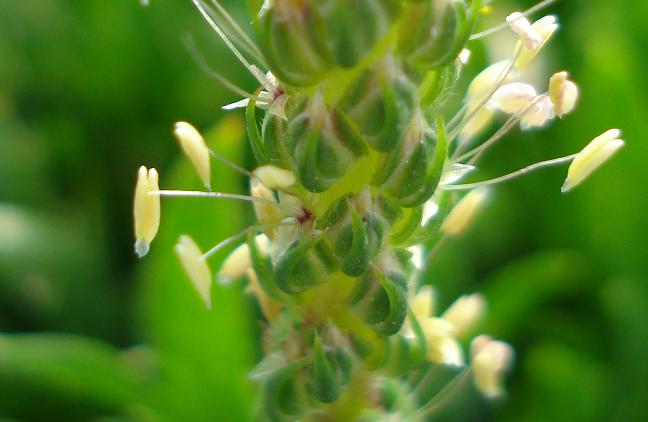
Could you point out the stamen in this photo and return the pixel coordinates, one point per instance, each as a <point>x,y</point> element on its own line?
<point>230,164</point>
<point>242,234</point>
<point>454,132</point>
<point>507,177</point>
<point>538,7</point>
<point>203,11</point>
<point>244,36</point>
<point>501,132</point>
<point>218,195</point>
<point>204,66</point>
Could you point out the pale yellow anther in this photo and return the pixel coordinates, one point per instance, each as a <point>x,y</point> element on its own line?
<point>488,78</point>
<point>541,110</point>
<point>465,313</point>
<point>146,210</point>
<point>522,27</point>
<point>194,147</point>
<point>514,97</point>
<point>239,261</point>
<point>593,156</point>
<point>563,93</point>
<point>265,213</point>
<point>490,361</point>
<point>443,347</point>
<point>274,177</point>
<point>464,212</point>
<point>196,268</point>
<point>422,305</point>
<point>545,28</point>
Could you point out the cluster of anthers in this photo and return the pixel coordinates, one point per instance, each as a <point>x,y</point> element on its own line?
<point>284,209</point>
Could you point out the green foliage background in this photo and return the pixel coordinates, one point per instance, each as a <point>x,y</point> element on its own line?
<point>89,91</point>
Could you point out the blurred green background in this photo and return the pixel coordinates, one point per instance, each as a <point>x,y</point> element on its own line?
<point>89,91</point>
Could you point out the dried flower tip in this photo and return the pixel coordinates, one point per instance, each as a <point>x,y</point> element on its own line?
<point>194,147</point>
<point>593,156</point>
<point>196,268</point>
<point>563,93</point>
<point>274,177</point>
<point>490,361</point>
<point>443,348</point>
<point>539,113</point>
<point>465,313</point>
<point>545,27</point>
<point>522,27</point>
<point>464,212</point>
<point>239,261</point>
<point>514,97</point>
<point>146,210</point>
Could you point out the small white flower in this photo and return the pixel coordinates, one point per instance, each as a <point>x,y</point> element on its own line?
<point>272,98</point>
<point>464,212</point>
<point>539,113</point>
<point>194,147</point>
<point>274,177</point>
<point>490,361</point>
<point>514,97</point>
<point>196,268</point>
<point>593,156</point>
<point>239,261</point>
<point>464,56</point>
<point>146,210</point>
<point>522,27</point>
<point>430,209</point>
<point>563,93</point>
<point>418,256</point>
<point>545,28</point>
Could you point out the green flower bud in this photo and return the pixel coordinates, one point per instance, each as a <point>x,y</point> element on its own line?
<point>380,102</point>
<point>412,172</point>
<point>323,380</point>
<point>280,395</point>
<point>321,143</point>
<point>304,40</point>
<point>433,33</point>
<point>305,264</point>
<point>408,349</point>
<point>382,301</point>
<point>356,238</point>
